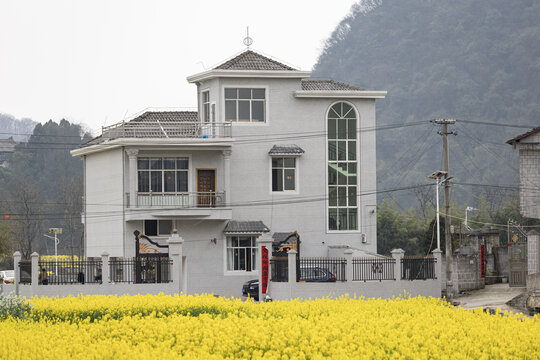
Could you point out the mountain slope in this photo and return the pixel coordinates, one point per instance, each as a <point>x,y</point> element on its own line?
<point>471,60</point>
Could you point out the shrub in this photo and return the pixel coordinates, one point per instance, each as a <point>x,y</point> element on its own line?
<point>12,306</point>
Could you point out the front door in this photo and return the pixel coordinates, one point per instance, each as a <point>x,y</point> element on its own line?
<point>518,264</point>
<point>206,187</point>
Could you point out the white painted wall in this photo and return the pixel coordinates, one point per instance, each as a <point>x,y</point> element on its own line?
<point>104,203</point>
<point>288,116</point>
<point>370,289</point>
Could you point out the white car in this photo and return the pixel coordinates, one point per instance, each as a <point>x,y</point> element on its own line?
<point>7,276</point>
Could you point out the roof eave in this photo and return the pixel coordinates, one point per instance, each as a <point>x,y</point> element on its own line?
<point>350,94</point>
<point>210,74</point>
<point>167,142</point>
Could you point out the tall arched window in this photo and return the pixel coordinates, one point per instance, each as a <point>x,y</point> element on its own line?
<point>342,168</point>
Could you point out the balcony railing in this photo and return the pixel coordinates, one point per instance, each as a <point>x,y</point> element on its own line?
<point>169,129</point>
<point>181,200</point>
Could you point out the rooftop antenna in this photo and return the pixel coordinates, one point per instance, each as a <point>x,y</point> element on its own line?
<point>247,40</point>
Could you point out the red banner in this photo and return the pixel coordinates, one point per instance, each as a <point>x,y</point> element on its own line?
<point>264,269</point>
<point>482,261</point>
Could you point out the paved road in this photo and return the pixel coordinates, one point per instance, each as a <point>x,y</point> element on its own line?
<point>492,296</point>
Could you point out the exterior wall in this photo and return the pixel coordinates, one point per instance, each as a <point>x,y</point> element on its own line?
<point>205,262</point>
<point>385,289</point>
<point>104,199</point>
<point>467,269</point>
<point>91,289</point>
<point>305,210</point>
<point>529,173</point>
<point>533,252</point>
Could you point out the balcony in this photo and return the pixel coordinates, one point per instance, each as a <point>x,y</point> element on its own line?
<point>192,205</point>
<point>167,129</point>
<point>180,200</point>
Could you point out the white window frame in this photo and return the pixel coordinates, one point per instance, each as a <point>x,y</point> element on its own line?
<point>157,224</point>
<point>162,170</point>
<point>226,248</point>
<point>266,121</point>
<point>205,107</point>
<point>296,175</point>
<point>358,184</point>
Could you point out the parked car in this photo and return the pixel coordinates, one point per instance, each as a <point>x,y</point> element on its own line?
<point>307,274</point>
<point>251,288</point>
<point>7,276</point>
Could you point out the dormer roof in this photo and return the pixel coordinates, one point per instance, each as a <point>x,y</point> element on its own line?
<point>250,64</point>
<point>250,60</point>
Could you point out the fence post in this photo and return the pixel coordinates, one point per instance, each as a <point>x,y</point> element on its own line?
<point>264,241</point>
<point>437,254</point>
<point>291,257</point>
<point>16,260</point>
<point>349,269</point>
<point>105,276</point>
<point>397,254</point>
<point>176,252</point>
<point>35,272</point>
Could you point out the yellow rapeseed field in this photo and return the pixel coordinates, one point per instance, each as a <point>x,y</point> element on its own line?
<point>206,327</point>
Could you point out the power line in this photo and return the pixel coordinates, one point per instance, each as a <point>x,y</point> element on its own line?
<point>496,124</point>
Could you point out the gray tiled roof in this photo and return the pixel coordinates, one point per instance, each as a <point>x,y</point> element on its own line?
<point>327,85</point>
<point>167,116</point>
<point>250,60</point>
<point>286,150</point>
<point>150,124</point>
<point>522,136</point>
<point>279,237</point>
<point>235,226</point>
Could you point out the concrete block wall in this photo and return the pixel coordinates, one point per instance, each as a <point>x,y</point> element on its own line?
<point>467,269</point>
<point>533,252</point>
<point>529,173</point>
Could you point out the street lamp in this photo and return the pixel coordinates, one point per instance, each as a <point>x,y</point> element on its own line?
<point>55,231</point>
<point>436,176</point>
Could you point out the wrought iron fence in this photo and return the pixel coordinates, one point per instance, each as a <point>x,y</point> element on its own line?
<point>279,269</point>
<point>140,270</point>
<point>418,268</point>
<point>365,269</point>
<point>69,272</point>
<point>321,269</point>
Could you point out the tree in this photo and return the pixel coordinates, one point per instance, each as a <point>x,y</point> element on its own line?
<point>71,199</point>
<point>26,215</point>
<point>425,195</point>
<point>396,230</point>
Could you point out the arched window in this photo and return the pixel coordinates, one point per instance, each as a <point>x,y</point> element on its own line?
<point>342,168</point>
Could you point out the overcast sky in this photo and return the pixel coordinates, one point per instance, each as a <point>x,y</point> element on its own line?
<point>94,62</point>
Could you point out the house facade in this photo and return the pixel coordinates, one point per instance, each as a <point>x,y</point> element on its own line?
<point>528,145</point>
<point>269,150</point>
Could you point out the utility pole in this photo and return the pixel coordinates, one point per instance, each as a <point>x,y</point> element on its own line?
<point>447,177</point>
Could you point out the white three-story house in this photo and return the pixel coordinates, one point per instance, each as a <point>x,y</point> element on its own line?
<point>268,149</point>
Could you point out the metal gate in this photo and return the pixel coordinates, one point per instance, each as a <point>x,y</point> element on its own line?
<point>518,264</point>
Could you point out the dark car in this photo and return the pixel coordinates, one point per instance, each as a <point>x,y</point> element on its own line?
<point>308,274</point>
<point>251,288</point>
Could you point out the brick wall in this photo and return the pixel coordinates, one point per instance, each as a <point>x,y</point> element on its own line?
<point>529,172</point>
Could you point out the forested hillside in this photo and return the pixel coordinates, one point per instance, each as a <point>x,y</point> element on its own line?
<point>18,129</point>
<point>42,188</point>
<point>470,60</point>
